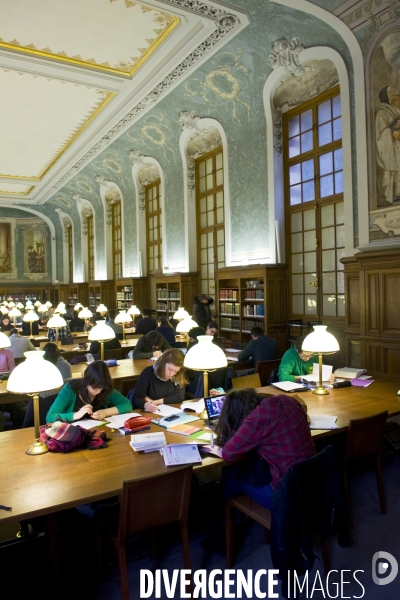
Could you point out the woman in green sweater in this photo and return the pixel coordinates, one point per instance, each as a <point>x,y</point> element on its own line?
<point>88,397</point>
<point>296,363</point>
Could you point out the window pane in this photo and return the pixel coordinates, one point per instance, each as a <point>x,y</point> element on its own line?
<point>324,134</point>
<point>309,241</point>
<point>202,184</point>
<point>220,199</point>
<point>209,165</point>
<point>328,215</point>
<point>338,159</point>
<point>295,195</point>
<point>328,260</point>
<point>210,218</point>
<point>324,112</point>
<point>339,255</point>
<point>326,163</point>
<point>339,182</point>
<point>329,283</point>
<point>297,284</point>
<point>306,141</point>
<point>309,219</point>
<point>209,181</point>
<point>307,169</point>
<point>340,236</point>
<point>220,237</point>
<point>220,215</point>
<point>210,202</point>
<point>336,107</point>
<point>203,220</point>
<point>219,178</point>
<point>294,147</point>
<point>310,262</point>
<point>296,221</point>
<point>297,305</point>
<point>202,169</point>
<point>337,129</point>
<point>218,161</point>
<point>326,186</point>
<point>295,174</point>
<point>340,283</point>
<point>308,191</point>
<point>297,242</point>
<point>297,263</point>
<point>341,307</point>
<point>339,209</point>
<point>311,304</point>
<point>328,238</point>
<point>294,126</point>
<point>306,120</point>
<point>202,205</point>
<point>329,306</point>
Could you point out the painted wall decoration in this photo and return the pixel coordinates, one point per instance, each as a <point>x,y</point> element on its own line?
<point>35,252</point>
<point>5,248</point>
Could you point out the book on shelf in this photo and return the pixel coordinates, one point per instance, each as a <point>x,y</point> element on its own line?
<point>148,442</point>
<point>180,454</point>
<point>349,372</point>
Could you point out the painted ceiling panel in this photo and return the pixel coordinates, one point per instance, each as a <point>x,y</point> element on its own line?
<point>39,117</point>
<point>14,188</point>
<point>110,34</point>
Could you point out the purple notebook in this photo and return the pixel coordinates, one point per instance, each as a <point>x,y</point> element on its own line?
<point>362,382</point>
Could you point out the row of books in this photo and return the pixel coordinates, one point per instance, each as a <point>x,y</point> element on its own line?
<point>229,308</point>
<point>254,294</point>
<point>253,310</point>
<point>228,323</point>
<point>229,294</point>
<point>248,325</point>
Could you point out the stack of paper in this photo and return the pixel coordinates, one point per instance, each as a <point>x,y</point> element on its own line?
<point>349,372</point>
<point>148,442</point>
<point>289,386</point>
<point>117,421</point>
<point>184,429</point>
<point>180,454</point>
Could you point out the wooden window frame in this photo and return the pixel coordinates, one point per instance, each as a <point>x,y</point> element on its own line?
<point>70,255</point>
<point>90,247</point>
<point>157,213</point>
<point>116,233</point>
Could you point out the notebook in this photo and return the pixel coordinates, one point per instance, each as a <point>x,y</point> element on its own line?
<point>213,406</point>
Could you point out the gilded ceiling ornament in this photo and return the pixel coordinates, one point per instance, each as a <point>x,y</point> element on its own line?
<point>285,54</point>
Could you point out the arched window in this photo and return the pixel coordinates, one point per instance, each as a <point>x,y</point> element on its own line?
<point>116,233</point>
<point>154,228</point>
<point>90,242</point>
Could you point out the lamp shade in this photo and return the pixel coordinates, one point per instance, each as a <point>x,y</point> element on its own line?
<point>37,303</point>
<point>4,310</point>
<point>60,309</point>
<point>28,304</point>
<point>85,313</point>
<point>20,305</point>
<point>205,356</point>
<point>186,325</point>
<point>122,317</point>
<point>78,306</point>
<point>48,304</point>
<point>4,340</point>
<point>14,312</point>
<point>101,332</point>
<point>181,314</point>
<point>42,308</point>
<point>34,375</point>
<point>30,316</point>
<point>11,305</point>
<point>56,321</point>
<point>320,341</point>
<point>133,310</point>
<point>101,308</point>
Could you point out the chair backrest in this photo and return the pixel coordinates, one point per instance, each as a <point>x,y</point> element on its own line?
<point>219,378</point>
<point>115,353</point>
<point>19,360</point>
<point>45,403</point>
<point>364,436</point>
<point>66,340</point>
<point>78,329</point>
<point>247,381</point>
<point>127,385</point>
<point>264,369</point>
<point>142,509</point>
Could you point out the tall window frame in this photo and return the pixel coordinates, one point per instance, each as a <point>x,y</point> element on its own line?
<point>90,247</point>
<point>153,227</point>
<point>314,207</point>
<point>70,254</point>
<point>116,233</point>
<point>210,218</point>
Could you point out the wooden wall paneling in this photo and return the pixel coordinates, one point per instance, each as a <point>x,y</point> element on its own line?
<point>390,313</point>
<point>353,303</point>
<point>372,302</point>
<point>373,350</point>
<point>392,359</point>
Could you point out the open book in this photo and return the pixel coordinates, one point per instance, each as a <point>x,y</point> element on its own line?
<point>289,386</point>
<point>314,376</point>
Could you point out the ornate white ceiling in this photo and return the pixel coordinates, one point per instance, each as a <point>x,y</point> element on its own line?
<point>71,72</point>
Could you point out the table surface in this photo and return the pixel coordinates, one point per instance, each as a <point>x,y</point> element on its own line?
<point>39,485</point>
<point>126,369</point>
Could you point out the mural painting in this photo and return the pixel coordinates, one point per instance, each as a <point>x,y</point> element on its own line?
<point>35,256</point>
<point>5,248</point>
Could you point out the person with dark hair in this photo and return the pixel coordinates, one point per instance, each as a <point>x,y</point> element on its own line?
<point>296,363</point>
<point>53,355</point>
<point>212,329</point>
<point>193,334</point>
<point>270,433</point>
<point>26,328</point>
<point>166,330</point>
<point>146,323</point>
<point>110,321</point>
<point>260,347</point>
<point>201,310</point>
<point>112,344</point>
<point>19,344</point>
<point>62,332</point>
<point>161,383</point>
<point>75,323</point>
<point>153,344</point>
<point>88,397</point>
<point>6,325</point>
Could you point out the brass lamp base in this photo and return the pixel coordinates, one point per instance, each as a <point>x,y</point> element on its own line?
<point>37,448</point>
<point>320,391</point>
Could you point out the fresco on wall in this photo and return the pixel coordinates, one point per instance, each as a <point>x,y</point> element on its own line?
<point>34,251</point>
<point>386,127</point>
<point>5,248</point>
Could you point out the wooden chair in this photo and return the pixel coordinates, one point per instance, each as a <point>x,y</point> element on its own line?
<point>142,509</point>
<point>265,367</point>
<point>127,385</point>
<point>313,472</point>
<point>247,381</point>
<point>364,440</point>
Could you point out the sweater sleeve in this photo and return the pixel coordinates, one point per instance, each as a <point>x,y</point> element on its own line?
<point>62,408</point>
<point>176,397</point>
<point>139,350</point>
<point>142,389</point>
<point>246,353</point>
<point>120,402</point>
<point>10,361</point>
<point>286,367</point>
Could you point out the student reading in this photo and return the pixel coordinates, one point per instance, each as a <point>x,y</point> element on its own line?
<point>88,397</point>
<point>162,383</point>
<point>270,433</point>
<point>295,362</point>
